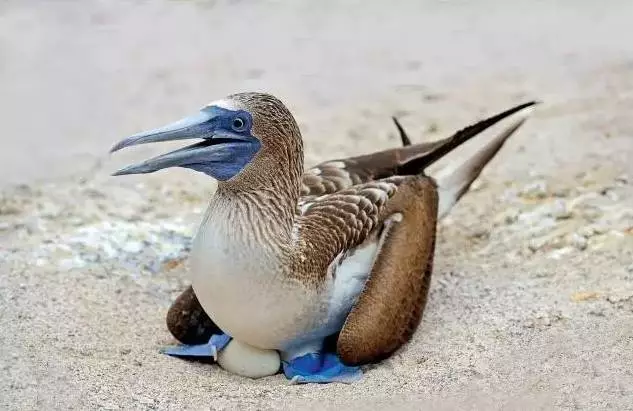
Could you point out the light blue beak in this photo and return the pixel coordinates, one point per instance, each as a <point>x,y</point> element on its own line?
<point>186,128</point>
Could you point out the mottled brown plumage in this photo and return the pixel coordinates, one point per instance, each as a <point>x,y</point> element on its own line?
<point>390,306</point>
<point>339,205</point>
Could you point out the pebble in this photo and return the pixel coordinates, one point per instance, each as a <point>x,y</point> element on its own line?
<point>534,190</point>
<point>561,192</point>
<point>559,253</point>
<point>579,241</point>
<point>587,231</point>
<point>622,179</point>
<point>612,195</point>
<point>536,244</point>
<point>559,210</point>
<point>618,299</point>
<point>507,217</point>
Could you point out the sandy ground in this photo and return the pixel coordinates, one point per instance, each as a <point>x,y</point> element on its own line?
<point>531,304</point>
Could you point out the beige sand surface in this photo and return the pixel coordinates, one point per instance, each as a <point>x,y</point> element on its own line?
<point>531,304</point>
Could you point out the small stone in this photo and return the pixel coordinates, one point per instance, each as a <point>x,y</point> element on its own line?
<point>622,179</point>
<point>630,268</point>
<point>587,231</point>
<point>617,299</point>
<point>612,195</point>
<point>559,210</point>
<point>508,217</point>
<point>559,253</point>
<point>578,241</point>
<point>536,190</point>
<point>536,244</point>
<point>479,233</point>
<point>561,192</point>
<point>541,320</point>
<point>591,230</point>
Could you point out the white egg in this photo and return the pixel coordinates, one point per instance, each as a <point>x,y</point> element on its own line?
<point>248,361</point>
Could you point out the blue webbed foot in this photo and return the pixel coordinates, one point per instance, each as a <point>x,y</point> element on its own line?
<point>216,343</point>
<point>320,368</point>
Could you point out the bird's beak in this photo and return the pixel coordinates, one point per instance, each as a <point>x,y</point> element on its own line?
<point>215,149</point>
<point>188,127</point>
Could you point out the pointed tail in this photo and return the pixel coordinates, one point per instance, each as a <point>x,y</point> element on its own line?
<point>416,158</point>
<point>454,185</point>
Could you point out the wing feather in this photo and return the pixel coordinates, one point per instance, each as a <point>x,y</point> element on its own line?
<point>335,223</point>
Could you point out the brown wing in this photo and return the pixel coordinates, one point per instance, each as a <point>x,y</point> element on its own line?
<point>335,175</point>
<point>390,307</point>
<point>335,223</point>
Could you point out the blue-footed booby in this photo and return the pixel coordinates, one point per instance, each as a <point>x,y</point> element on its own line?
<point>286,258</point>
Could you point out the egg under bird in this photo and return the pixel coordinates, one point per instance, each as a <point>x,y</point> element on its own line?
<point>286,258</point>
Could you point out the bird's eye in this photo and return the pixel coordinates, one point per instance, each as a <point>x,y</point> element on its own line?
<point>238,124</point>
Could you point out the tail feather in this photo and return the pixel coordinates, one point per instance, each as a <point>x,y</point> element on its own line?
<point>455,184</point>
<point>404,137</point>
<point>419,157</point>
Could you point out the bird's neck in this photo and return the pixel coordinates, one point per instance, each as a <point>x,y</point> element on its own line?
<point>262,215</point>
<point>263,198</point>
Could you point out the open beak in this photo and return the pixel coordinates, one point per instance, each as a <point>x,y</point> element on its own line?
<point>215,147</point>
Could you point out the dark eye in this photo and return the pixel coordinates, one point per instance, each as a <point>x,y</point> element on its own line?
<point>238,124</point>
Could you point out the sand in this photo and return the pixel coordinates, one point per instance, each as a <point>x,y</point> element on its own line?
<point>531,305</point>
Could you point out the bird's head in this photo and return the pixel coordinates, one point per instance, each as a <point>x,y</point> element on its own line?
<point>244,136</point>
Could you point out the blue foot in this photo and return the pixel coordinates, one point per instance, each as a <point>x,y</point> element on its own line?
<point>320,368</point>
<point>211,349</point>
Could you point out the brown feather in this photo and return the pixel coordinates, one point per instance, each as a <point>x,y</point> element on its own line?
<point>188,322</point>
<point>404,137</point>
<point>391,304</point>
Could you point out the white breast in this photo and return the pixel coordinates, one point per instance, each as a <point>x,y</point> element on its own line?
<point>240,286</point>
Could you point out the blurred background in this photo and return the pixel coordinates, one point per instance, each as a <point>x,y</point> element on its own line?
<point>77,76</point>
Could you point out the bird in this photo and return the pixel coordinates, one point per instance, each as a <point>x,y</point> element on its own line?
<point>286,258</point>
